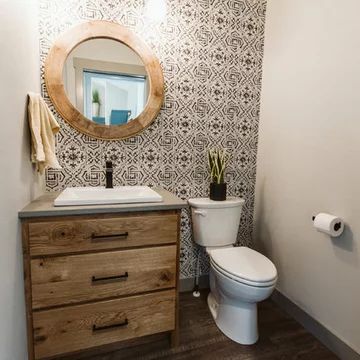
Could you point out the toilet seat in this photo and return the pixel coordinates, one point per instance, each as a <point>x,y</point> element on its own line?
<point>244,265</point>
<point>242,281</point>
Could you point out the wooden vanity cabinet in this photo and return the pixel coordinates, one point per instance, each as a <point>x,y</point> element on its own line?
<point>99,279</point>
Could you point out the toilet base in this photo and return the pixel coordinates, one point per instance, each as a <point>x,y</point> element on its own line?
<point>239,323</point>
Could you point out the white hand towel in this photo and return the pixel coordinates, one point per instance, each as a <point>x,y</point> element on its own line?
<point>43,127</point>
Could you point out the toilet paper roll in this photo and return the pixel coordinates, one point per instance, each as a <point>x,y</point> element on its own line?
<point>329,224</point>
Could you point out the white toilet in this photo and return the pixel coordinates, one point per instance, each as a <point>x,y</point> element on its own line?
<point>239,277</point>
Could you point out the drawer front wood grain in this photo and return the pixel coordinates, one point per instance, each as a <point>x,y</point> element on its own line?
<point>80,278</point>
<point>79,235</point>
<point>80,327</point>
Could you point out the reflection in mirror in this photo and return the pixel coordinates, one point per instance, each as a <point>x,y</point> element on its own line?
<point>106,81</point>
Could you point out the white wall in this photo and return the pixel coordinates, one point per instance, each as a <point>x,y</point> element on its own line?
<point>308,157</point>
<point>19,65</point>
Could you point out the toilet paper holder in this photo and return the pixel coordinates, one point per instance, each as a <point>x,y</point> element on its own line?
<point>328,224</point>
<point>337,226</point>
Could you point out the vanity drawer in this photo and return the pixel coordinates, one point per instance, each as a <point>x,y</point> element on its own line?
<point>78,235</point>
<point>79,327</point>
<point>79,278</point>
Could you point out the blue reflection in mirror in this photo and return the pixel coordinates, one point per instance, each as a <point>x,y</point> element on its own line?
<point>112,98</point>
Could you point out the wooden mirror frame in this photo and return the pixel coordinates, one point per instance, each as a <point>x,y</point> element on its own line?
<point>55,62</point>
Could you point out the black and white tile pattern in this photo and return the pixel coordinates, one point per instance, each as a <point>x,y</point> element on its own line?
<point>211,54</point>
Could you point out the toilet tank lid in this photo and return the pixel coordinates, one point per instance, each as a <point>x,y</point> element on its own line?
<point>206,203</point>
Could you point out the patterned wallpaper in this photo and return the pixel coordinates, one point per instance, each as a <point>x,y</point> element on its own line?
<point>211,54</point>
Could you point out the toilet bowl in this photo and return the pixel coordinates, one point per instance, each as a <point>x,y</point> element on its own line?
<point>239,276</point>
<point>233,298</point>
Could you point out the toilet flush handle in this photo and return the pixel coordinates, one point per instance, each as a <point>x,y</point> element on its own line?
<point>200,212</point>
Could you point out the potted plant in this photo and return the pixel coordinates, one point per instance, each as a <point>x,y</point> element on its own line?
<point>218,159</point>
<point>96,103</point>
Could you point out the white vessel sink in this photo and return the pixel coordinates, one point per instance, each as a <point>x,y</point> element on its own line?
<point>102,196</point>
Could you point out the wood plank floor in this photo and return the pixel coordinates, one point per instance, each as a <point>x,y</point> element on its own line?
<point>281,337</point>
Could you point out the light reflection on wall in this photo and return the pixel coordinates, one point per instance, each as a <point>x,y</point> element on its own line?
<point>155,10</point>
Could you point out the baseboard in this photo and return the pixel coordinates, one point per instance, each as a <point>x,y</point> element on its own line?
<point>336,345</point>
<point>187,284</point>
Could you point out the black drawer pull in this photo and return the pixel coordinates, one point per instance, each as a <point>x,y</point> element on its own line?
<point>123,235</point>
<point>95,279</point>
<point>112,326</point>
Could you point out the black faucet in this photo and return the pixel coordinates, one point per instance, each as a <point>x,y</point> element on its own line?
<point>109,175</point>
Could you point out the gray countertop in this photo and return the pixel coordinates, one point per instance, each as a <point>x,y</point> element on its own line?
<point>44,206</point>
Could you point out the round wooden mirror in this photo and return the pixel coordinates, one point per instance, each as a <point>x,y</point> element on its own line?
<point>104,80</point>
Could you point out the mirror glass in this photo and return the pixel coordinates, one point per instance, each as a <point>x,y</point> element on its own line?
<point>106,81</point>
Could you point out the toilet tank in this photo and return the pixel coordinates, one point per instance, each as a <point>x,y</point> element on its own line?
<point>215,223</point>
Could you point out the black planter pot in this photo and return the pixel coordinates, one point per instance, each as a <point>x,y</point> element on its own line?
<point>218,191</point>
